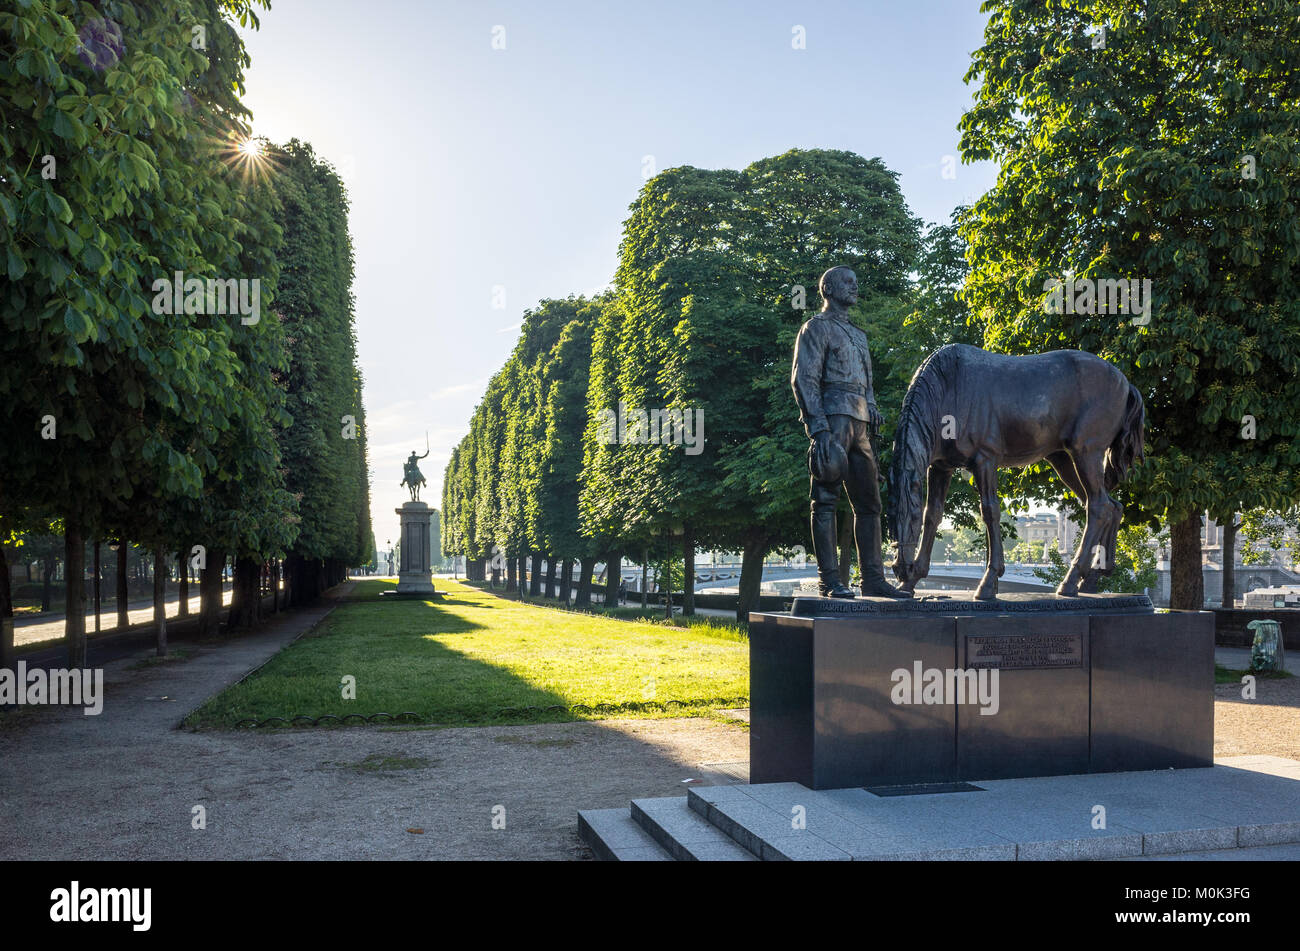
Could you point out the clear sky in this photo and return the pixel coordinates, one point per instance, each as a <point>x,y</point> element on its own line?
<point>477,172</point>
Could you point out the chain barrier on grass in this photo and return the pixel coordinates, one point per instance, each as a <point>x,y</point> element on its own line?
<point>510,713</point>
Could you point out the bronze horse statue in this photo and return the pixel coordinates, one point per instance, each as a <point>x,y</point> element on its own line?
<point>412,477</point>
<point>970,409</point>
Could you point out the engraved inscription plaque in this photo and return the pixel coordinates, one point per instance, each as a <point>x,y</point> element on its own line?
<point>1024,651</point>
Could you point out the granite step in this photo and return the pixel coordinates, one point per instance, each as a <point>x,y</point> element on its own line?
<point>1238,804</point>
<point>614,837</point>
<point>1243,807</point>
<point>686,835</point>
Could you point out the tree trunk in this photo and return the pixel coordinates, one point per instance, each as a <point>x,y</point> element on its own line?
<point>304,577</point>
<point>588,569</point>
<point>160,600</point>
<point>98,577</point>
<point>291,562</point>
<point>666,586</point>
<point>1186,582</point>
<point>74,569</point>
<point>645,581</point>
<point>1229,592</point>
<point>123,597</point>
<point>244,600</point>
<point>566,579</point>
<point>550,577</point>
<point>210,594</point>
<point>613,575</point>
<point>275,585</point>
<point>512,583</point>
<point>47,586</point>
<point>6,616</point>
<point>688,581</point>
<point>183,583</point>
<point>535,579</point>
<point>751,574</point>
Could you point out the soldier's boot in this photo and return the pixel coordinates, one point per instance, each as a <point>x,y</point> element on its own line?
<point>830,585</point>
<point>825,547</point>
<point>874,584</point>
<point>877,587</point>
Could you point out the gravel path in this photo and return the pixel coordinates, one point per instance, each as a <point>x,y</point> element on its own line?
<point>28,631</point>
<point>1268,725</point>
<point>123,785</point>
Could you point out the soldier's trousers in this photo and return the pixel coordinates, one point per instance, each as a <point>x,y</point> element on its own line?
<point>854,436</point>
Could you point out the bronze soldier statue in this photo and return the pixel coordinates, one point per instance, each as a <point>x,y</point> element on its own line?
<point>413,478</point>
<point>831,378</point>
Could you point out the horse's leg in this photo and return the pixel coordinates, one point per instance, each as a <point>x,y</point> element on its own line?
<point>1112,534</point>
<point>1090,472</point>
<point>937,483</point>
<point>1107,539</point>
<point>986,481</point>
<point>1092,574</point>
<point>1064,466</point>
<point>1098,569</point>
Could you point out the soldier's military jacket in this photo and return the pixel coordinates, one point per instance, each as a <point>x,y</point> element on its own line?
<point>831,373</point>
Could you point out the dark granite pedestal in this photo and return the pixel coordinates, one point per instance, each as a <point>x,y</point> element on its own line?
<point>873,692</point>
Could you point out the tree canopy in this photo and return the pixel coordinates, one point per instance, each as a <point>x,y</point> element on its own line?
<point>1155,143</point>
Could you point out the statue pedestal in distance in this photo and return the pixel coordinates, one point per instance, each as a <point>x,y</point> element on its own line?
<point>414,576</point>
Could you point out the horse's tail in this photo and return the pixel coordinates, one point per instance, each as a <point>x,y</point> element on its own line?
<point>1126,448</point>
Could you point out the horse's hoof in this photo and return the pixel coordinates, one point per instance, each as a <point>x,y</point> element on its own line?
<point>986,594</point>
<point>1068,590</point>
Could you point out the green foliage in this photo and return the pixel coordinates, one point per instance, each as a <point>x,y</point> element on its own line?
<point>1266,534</point>
<point>1167,153</point>
<point>809,210</point>
<point>513,482</point>
<point>323,456</point>
<point>686,335</point>
<point>703,318</point>
<point>1025,553</point>
<point>714,269</point>
<point>1135,562</point>
<point>905,331</point>
<point>967,544</point>
<point>110,178</point>
<point>118,170</point>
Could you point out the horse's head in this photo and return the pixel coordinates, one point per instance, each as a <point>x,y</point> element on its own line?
<point>906,501</point>
<point>915,439</point>
<point>905,518</point>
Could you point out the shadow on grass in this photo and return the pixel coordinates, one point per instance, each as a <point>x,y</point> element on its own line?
<point>398,666</point>
<point>392,658</point>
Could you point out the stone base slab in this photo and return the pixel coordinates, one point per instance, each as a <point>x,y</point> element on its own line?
<point>1240,803</point>
<point>848,701</point>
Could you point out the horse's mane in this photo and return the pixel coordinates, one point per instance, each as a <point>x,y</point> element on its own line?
<point>914,436</point>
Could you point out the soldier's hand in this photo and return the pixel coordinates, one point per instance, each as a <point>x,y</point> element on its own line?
<point>874,419</point>
<point>822,441</point>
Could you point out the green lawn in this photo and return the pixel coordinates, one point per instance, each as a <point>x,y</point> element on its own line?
<point>469,656</point>
<point>1226,675</point>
